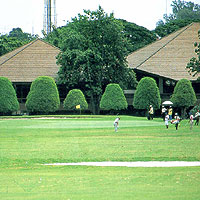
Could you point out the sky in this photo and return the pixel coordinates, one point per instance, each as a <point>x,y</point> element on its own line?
<point>28,14</point>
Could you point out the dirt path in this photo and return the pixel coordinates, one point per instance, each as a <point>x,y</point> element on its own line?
<point>132,164</point>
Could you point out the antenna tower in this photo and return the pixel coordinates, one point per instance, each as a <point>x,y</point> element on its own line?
<point>50,17</point>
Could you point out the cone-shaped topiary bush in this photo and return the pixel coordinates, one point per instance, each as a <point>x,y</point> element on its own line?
<point>8,97</point>
<point>183,95</point>
<point>75,98</point>
<point>147,93</point>
<point>43,96</point>
<point>113,98</point>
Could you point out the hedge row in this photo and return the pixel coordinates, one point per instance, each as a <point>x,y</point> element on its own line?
<point>43,97</point>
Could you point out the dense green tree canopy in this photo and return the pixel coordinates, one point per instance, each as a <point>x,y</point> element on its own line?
<point>16,38</point>
<point>164,29</point>
<point>137,36</point>
<point>186,10</point>
<point>183,14</point>
<point>20,35</point>
<point>8,44</point>
<point>94,50</point>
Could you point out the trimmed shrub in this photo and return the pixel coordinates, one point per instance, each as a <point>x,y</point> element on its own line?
<point>8,97</point>
<point>74,98</point>
<point>194,110</point>
<point>183,96</point>
<point>113,98</point>
<point>147,93</point>
<point>43,96</point>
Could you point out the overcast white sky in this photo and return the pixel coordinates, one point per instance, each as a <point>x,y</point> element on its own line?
<point>28,14</point>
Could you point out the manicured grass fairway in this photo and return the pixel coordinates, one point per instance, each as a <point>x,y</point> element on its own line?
<point>26,144</point>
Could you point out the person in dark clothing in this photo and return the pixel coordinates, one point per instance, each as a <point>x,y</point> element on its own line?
<point>197,118</point>
<point>176,121</point>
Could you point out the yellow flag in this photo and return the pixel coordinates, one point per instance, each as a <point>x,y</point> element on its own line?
<point>78,106</point>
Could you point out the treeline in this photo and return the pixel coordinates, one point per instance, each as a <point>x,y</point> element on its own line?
<point>183,13</point>
<point>16,38</point>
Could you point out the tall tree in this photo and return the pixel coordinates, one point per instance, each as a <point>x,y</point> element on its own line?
<point>94,51</point>
<point>8,44</point>
<point>16,38</point>
<point>137,36</point>
<point>20,35</point>
<point>183,13</point>
<point>186,10</point>
<point>164,29</point>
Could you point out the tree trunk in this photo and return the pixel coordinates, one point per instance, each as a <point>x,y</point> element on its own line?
<point>94,102</point>
<point>183,112</point>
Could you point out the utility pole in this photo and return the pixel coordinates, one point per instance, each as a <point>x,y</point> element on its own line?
<point>50,17</point>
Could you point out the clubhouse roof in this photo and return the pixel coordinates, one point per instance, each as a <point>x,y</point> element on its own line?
<point>26,63</point>
<point>168,57</point>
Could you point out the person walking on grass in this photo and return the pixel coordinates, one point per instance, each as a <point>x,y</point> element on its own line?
<point>151,112</point>
<point>116,123</point>
<point>167,121</point>
<point>163,112</point>
<point>176,120</point>
<point>191,121</point>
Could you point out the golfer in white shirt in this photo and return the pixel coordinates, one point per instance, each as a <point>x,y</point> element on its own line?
<point>116,122</point>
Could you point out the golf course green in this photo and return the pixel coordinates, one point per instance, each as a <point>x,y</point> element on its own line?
<point>27,143</point>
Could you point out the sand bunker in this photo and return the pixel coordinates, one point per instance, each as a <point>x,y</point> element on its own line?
<point>132,164</point>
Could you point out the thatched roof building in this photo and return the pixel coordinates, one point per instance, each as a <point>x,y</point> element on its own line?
<point>169,56</point>
<point>25,64</point>
<point>166,59</point>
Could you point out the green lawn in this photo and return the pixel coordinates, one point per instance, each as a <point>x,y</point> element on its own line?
<point>26,144</point>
